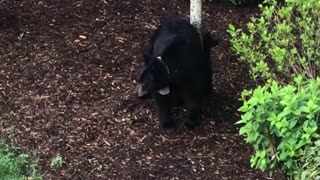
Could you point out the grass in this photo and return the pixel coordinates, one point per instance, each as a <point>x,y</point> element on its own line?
<point>57,162</point>
<point>15,166</point>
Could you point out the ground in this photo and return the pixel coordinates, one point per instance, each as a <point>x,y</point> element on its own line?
<point>67,73</point>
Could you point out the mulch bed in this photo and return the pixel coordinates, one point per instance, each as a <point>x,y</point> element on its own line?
<point>67,73</point>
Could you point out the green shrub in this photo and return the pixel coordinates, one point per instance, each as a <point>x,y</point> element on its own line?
<point>57,162</point>
<point>15,167</point>
<point>283,42</point>
<point>280,122</point>
<point>281,118</point>
<point>311,163</point>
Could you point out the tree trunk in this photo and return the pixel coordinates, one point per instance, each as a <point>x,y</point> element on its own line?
<point>196,15</point>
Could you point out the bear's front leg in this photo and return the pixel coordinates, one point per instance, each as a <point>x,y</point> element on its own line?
<point>163,107</point>
<point>193,120</point>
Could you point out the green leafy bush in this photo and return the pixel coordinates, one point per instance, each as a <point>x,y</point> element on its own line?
<point>311,163</point>
<point>15,167</point>
<point>283,42</point>
<point>57,162</point>
<point>280,122</point>
<point>281,118</point>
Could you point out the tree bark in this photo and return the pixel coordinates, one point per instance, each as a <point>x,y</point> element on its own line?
<point>196,15</point>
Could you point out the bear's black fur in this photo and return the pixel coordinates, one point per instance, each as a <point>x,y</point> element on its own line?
<point>177,69</point>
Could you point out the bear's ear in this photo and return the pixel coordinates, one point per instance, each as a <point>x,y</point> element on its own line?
<point>147,58</point>
<point>147,54</point>
<point>159,58</point>
<point>209,41</point>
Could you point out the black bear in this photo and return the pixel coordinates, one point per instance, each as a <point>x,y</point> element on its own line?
<point>177,69</point>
